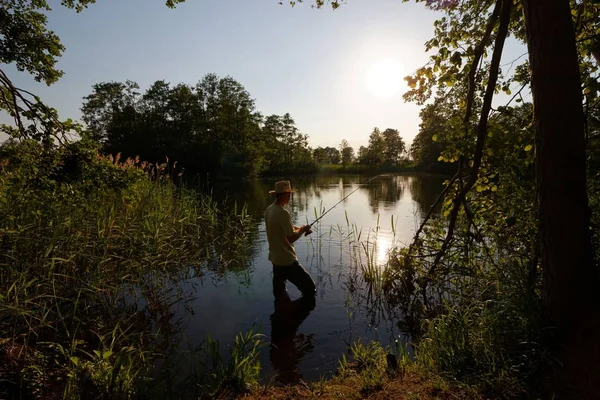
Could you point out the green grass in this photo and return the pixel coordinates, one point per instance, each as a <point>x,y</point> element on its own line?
<point>369,364</point>
<point>240,373</point>
<point>91,262</point>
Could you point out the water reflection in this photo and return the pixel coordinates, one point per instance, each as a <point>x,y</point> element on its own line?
<point>425,191</point>
<point>382,193</point>
<point>287,346</point>
<point>385,190</point>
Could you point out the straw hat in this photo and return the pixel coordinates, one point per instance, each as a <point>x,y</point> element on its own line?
<point>282,187</point>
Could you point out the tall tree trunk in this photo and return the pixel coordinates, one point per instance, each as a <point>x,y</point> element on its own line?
<point>569,278</point>
<point>568,274</point>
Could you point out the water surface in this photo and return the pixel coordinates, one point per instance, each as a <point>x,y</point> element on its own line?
<point>381,214</point>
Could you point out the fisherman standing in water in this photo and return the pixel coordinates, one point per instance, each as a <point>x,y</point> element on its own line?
<point>281,234</point>
<point>287,347</point>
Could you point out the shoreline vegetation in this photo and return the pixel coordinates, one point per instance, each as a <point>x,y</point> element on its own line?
<point>93,249</point>
<point>92,254</point>
<point>499,294</point>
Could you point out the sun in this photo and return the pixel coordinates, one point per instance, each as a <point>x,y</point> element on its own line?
<point>385,78</point>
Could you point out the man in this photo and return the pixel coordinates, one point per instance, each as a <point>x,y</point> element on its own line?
<point>281,234</point>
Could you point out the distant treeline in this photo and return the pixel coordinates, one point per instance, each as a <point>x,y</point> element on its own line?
<point>214,127</point>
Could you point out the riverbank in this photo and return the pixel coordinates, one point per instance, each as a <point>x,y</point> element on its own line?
<point>414,385</point>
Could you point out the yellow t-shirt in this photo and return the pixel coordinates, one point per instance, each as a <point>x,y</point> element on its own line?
<point>279,225</point>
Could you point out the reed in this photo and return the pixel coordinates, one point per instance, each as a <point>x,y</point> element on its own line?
<point>91,260</point>
<point>238,373</point>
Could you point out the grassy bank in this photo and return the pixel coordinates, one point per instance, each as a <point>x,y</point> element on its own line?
<point>414,385</point>
<point>368,372</point>
<point>93,249</point>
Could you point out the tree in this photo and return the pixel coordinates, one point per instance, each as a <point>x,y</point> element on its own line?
<point>428,144</point>
<point>26,41</point>
<point>107,100</point>
<point>333,155</point>
<point>347,153</point>
<point>319,155</point>
<point>287,149</point>
<point>570,281</point>
<point>327,155</point>
<point>363,155</point>
<point>394,146</point>
<point>212,127</point>
<point>376,148</point>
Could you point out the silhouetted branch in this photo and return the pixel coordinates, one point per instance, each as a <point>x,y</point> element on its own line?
<point>46,116</point>
<point>482,125</point>
<point>432,208</point>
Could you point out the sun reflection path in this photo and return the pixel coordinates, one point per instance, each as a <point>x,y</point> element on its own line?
<point>382,247</point>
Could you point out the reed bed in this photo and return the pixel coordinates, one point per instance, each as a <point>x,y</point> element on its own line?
<point>92,251</point>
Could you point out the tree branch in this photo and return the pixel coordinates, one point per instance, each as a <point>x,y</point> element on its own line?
<point>481,127</point>
<point>432,208</point>
<point>474,65</point>
<point>48,117</point>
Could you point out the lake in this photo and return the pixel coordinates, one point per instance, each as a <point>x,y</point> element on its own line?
<point>377,216</point>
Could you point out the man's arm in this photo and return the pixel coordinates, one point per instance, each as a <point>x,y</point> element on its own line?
<point>298,231</point>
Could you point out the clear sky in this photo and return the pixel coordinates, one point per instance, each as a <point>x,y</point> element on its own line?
<point>324,67</point>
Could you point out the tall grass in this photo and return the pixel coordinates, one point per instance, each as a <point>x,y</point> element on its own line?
<point>92,251</point>
<point>240,373</point>
<point>371,365</point>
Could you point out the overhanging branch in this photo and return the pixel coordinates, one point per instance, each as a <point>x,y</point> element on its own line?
<point>506,6</point>
<point>20,107</point>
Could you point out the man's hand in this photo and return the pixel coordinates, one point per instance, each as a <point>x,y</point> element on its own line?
<point>298,231</point>
<point>306,230</point>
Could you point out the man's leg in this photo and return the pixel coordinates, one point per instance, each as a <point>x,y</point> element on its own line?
<point>280,275</point>
<point>299,277</point>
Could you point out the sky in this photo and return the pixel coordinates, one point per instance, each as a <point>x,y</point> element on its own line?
<point>338,73</point>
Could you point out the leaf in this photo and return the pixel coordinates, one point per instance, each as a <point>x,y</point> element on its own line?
<point>435,138</point>
<point>528,147</point>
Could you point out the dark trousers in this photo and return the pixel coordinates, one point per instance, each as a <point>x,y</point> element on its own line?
<point>296,274</point>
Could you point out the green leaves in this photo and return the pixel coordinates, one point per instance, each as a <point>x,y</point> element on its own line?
<point>26,42</point>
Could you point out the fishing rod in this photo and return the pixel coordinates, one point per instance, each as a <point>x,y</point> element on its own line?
<point>322,215</point>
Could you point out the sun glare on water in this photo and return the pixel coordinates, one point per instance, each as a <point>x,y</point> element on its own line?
<point>382,247</point>
<point>385,78</point>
